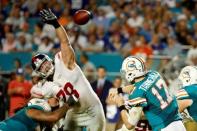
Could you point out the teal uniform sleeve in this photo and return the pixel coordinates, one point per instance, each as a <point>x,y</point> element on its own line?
<point>182,94</point>
<point>136,99</point>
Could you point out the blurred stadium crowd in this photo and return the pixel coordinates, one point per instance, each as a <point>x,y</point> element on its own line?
<point>153,29</point>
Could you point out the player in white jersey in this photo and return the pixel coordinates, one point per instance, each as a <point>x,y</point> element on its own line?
<point>67,74</point>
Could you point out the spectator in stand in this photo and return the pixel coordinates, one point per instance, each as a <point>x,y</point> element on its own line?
<point>112,113</point>
<point>135,19</point>
<point>101,35</point>
<point>102,85</point>
<point>24,30</point>
<point>192,53</point>
<point>94,45</point>
<point>146,31</point>
<point>31,5</point>
<point>190,17</point>
<point>117,14</point>
<point>77,38</point>
<point>182,29</point>
<point>15,18</point>
<point>141,48</point>
<point>173,47</point>
<point>115,43</point>
<point>157,45</point>
<point>7,28</point>
<point>126,50</point>
<point>48,30</point>
<point>163,32</point>
<point>46,44</point>
<point>18,91</point>
<point>22,44</point>
<point>171,52</point>
<point>9,45</point>
<point>116,28</point>
<point>57,8</point>
<point>101,19</point>
<point>91,29</point>
<point>88,67</point>
<point>37,36</point>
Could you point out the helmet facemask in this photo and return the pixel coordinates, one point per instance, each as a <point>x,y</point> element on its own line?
<point>46,69</point>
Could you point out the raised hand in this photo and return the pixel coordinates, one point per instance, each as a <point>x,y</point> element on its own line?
<point>49,17</point>
<point>116,99</point>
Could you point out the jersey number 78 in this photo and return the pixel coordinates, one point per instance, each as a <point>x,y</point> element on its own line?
<point>67,90</point>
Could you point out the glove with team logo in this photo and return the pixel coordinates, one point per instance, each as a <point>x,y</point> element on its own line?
<point>72,100</point>
<point>49,17</point>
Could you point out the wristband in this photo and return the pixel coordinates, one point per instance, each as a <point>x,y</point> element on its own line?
<point>119,90</point>
<point>122,107</point>
<point>56,24</point>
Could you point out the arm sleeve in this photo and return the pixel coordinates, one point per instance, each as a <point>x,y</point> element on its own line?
<point>182,94</point>
<point>136,99</point>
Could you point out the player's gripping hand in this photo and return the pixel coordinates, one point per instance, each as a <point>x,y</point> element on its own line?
<point>72,100</point>
<point>117,99</point>
<point>49,17</point>
<point>112,93</point>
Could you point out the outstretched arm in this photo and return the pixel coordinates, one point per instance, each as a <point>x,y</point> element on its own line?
<point>67,51</point>
<point>51,117</point>
<point>54,116</point>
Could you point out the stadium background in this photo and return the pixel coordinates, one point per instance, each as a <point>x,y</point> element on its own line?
<point>163,32</point>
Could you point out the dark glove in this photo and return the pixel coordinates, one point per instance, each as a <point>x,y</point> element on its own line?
<point>72,100</point>
<point>49,18</point>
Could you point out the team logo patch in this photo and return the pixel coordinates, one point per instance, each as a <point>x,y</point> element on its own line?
<point>131,65</point>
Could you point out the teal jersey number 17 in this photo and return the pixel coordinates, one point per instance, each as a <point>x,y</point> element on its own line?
<point>161,93</point>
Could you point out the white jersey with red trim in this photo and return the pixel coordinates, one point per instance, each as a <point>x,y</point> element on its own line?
<point>73,82</point>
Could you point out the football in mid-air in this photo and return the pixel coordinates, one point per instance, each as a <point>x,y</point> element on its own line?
<point>82,17</point>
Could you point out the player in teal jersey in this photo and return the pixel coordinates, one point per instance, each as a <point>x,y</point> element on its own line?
<point>37,111</point>
<point>149,91</point>
<point>187,95</point>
